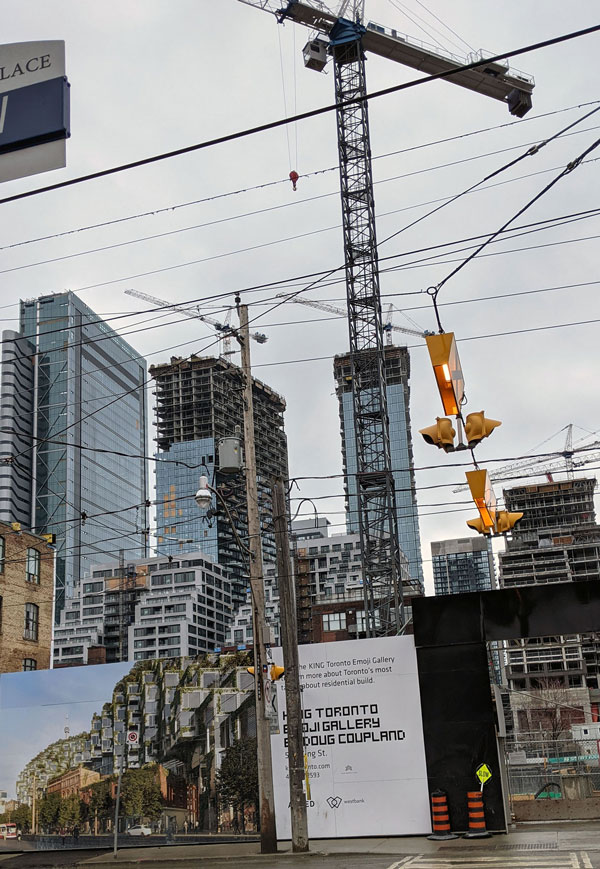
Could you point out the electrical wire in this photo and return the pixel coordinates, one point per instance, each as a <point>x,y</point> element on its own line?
<point>175,232</point>
<point>240,191</point>
<point>240,134</point>
<point>566,171</point>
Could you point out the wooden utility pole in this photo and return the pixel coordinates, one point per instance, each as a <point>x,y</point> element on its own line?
<point>268,831</point>
<point>289,641</point>
<point>33,804</point>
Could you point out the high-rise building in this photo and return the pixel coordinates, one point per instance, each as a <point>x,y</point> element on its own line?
<point>557,540</point>
<point>397,374</point>
<point>462,565</point>
<point>199,401</point>
<point>73,435</point>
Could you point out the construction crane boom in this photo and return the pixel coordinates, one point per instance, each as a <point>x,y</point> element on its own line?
<point>496,80</point>
<point>224,330</point>
<point>331,309</point>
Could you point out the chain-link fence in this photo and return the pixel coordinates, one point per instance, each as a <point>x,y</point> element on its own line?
<point>542,769</point>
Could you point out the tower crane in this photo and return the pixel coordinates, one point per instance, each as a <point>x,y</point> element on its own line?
<point>565,464</point>
<point>388,326</point>
<point>345,38</point>
<point>224,330</point>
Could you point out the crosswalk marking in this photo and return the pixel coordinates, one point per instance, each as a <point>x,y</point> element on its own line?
<point>566,860</point>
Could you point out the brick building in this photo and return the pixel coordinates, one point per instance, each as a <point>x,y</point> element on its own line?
<point>72,781</point>
<point>26,595</point>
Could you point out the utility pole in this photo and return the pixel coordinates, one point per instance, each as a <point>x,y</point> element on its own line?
<point>268,831</point>
<point>117,806</point>
<point>33,804</point>
<point>289,641</point>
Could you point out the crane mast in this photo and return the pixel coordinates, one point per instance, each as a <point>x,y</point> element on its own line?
<point>382,581</point>
<point>346,41</point>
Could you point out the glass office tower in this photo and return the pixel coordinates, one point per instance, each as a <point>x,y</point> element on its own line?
<point>73,423</point>
<point>397,374</point>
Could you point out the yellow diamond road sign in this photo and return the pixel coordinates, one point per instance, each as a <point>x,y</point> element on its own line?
<point>483,773</point>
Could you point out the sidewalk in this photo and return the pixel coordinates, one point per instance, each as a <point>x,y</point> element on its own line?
<point>561,836</point>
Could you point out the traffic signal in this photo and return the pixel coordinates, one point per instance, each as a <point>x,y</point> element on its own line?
<point>250,670</point>
<point>477,427</point>
<point>477,525</point>
<point>441,434</point>
<point>276,672</point>
<point>505,521</point>
<point>483,495</point>
<point>447,370</point>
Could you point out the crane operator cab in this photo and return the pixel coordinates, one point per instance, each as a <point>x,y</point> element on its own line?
<point>315,54</point>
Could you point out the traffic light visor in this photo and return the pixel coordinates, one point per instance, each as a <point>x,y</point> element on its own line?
<point>483,496</point>
<point>447,370</point>
<point>505,521</point>
<point>477,427</point>
<point>276,672</point>
<point>441,434</point>
<point>477,525</point>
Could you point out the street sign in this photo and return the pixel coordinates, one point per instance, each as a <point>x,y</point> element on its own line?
<point>483,773</point>
<point>133,737</point>
<point>34,108</point>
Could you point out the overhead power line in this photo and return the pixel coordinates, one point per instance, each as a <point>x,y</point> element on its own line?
<point>271,125</point>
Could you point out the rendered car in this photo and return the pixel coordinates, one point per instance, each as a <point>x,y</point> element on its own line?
<point>139,830</point>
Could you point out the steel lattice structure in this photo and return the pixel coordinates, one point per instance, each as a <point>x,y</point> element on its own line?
<point>375,483</point>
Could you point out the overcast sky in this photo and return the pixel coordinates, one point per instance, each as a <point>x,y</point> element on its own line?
<point>149,76</point>
<point>35,709</point>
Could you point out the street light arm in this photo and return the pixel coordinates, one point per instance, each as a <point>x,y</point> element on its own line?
<point>200,497</point>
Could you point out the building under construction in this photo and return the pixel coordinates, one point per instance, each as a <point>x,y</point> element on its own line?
<point>557,540</point>
<point>199,401</point>
<point>397,374</point>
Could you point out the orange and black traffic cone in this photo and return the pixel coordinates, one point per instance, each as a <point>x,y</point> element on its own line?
<point>477,828</point>
<point>440,817</point>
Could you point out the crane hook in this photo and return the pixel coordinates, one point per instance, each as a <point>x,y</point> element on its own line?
<point>293,178</point>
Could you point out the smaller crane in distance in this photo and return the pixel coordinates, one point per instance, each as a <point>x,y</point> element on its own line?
<point>388,326</point>
<point>223,330</point>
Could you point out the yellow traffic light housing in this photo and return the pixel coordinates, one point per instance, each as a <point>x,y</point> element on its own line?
<point>447,370</point>
<point>276,672</point>
<point>441,434</point>
<point>483,495</point>
<point>250,670</point>
<point>477,427</point>
<point>505,521</point>
<point>477,525</point>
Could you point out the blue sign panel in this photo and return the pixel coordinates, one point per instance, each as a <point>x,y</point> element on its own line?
<point>35,114</point>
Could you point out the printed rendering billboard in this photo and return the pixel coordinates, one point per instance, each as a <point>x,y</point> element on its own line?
<point>363,741</point>
<point>182,731</point>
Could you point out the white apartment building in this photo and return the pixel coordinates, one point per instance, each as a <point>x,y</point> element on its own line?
<point>151,608</point>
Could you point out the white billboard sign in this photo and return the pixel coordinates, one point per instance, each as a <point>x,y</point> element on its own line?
<point>31,103</point>
<point>363,741</point>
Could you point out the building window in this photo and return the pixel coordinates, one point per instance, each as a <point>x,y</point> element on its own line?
<point>33,566</point>
<point>2,553</point>
<point>31,622</point>
<point>29,664</point>
<point>334,621</point>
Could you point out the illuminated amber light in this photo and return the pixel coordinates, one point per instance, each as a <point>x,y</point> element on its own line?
<point>447,370</point>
